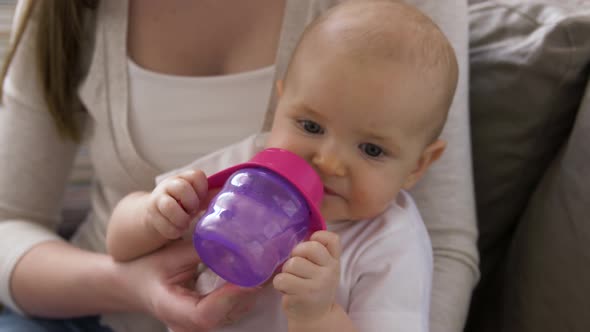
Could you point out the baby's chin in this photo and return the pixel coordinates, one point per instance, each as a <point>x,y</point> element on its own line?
<point>335,213</point>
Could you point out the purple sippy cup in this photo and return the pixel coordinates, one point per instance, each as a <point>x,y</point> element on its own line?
<point>264,209</point>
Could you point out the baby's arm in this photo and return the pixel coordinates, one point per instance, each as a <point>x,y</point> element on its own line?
<point>143,222</point>
<point>309,281</point>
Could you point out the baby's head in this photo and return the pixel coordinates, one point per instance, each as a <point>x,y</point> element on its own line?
<point>364,99</point>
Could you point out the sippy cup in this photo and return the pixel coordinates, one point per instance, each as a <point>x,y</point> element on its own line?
<point>264,209</point>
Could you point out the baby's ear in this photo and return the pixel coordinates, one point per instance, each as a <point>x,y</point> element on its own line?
<point>431,154</point>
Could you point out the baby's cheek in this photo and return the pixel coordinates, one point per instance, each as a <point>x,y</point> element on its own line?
<point>368,205</point>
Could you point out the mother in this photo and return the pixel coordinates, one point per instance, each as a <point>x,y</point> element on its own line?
<point>149,85</point>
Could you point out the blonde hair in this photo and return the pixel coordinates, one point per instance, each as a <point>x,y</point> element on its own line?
<point>57,39</point>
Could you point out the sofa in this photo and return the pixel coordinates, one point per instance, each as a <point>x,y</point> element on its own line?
<point>530,122</point>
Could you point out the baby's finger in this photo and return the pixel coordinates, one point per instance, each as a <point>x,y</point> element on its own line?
<point>210,195</point>
<point>198,181</point>
<point>300,267</point>
<point>183,192</point>
<point>330,240</point>
<point>289,284</point>
<point>171,210</point>
<point>313,251</point>
<point>165,228</point>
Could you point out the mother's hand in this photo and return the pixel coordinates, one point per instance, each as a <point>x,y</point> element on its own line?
<point>163,284</point>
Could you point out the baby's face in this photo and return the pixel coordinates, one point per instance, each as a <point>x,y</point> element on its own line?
<point>357,127</point>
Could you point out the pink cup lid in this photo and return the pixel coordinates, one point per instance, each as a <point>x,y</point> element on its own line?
<point>294,169</point>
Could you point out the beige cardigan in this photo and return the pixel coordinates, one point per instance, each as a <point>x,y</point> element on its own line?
<point>35,162</point>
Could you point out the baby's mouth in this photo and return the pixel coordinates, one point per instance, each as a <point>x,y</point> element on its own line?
<point>328,191</point>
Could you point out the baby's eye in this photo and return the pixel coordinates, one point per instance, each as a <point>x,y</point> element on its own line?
<point>311,127</point>
<point>371,150</point>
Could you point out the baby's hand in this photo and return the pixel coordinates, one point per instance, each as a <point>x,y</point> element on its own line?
<point>310,278</point>
<point>175,202</point>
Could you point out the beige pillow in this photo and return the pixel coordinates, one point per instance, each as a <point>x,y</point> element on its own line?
<point>529,67</point>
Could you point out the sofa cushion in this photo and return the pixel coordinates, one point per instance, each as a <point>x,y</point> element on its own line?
<point>529,67</point>
<point>547,285</point>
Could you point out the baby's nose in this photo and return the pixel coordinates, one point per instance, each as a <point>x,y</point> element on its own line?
<point>328,164</point>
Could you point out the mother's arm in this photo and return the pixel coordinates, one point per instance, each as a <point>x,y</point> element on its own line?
<point>445,195</point>
<point>42,275</point>
<point>35,264</point>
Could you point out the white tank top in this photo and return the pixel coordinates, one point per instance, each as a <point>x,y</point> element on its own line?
<point>176,119</point>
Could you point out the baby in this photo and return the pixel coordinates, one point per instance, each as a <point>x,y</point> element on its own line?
<point>363,100</point>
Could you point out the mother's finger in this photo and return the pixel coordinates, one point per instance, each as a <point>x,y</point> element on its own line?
<point>228,301</point>
<point>177,305</point>
<point>178,255</point>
